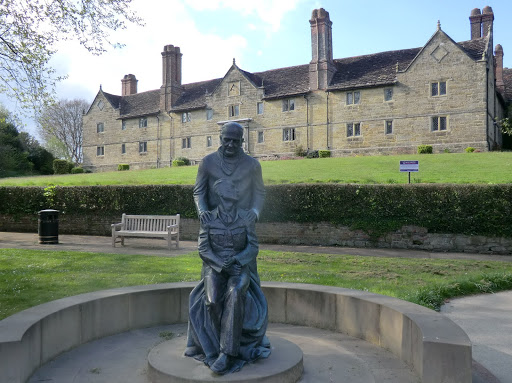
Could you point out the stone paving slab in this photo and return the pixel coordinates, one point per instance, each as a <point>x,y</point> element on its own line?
<point>328,357</point>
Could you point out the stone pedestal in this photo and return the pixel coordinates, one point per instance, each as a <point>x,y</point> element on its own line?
<point>166,364</point>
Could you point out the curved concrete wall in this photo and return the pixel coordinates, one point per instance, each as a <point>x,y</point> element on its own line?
<point>436,347</point>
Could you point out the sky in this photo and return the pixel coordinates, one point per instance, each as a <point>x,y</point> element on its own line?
<point>260,35</point>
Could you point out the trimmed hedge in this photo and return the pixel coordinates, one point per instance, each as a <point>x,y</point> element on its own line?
<point>377,209</point>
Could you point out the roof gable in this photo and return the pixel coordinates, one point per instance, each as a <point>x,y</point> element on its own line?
<point>474,49</point>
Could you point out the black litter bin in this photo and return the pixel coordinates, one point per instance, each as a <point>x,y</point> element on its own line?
<point>48,226</point>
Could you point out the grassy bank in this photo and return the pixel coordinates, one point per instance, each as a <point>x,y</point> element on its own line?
<point>32,277</point>
<point>481,168</point>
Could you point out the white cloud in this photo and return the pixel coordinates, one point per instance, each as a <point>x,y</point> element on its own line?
<point>205,56</point>
<point>270,12</point>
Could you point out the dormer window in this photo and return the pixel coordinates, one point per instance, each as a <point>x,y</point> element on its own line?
<point>233,110</point>
<point>143,122</point>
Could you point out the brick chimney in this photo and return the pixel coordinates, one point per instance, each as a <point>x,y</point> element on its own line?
<point>129,85</point>
<point>475,20</point>
<point>487,20</point>
<point>170,90</point>
<point>321,67</point>
<point>498,57</point>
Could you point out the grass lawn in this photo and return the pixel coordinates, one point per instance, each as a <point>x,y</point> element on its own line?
<point>481,168</point>
<point>32,277</point>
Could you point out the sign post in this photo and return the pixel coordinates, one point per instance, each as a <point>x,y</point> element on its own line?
<point>409,166</point>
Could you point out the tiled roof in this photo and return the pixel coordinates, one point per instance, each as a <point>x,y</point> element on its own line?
<point>371,70</point>
<point>112,99</point>
<point>474,48</point>
<point>377,69</point>
<point>140,104</point>
<point>194,95</point>
<point>507,79</point>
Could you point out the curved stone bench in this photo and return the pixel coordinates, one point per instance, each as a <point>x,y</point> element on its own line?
<point>437,348</point>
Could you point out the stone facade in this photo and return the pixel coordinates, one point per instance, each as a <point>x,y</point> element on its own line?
<point>445,94</point>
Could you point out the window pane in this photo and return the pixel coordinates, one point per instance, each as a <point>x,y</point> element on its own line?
<point>389,127</point>
<point>209,114</point>
<point>260,108</point>
<point>350,130</point>
<point>442,87</point>
<point>237,110</point>
<point>260,137</point>
<point>442,123</point>
<point>285,105</point>
<point>435,123</point>
<point>357,129</point>
<point>350,99</point>
<point>123,148</point>
<point>123,125</point>
<point>292,104</point>
<point>388,94</point>
<point>357,97</point>
<point>434,89</point>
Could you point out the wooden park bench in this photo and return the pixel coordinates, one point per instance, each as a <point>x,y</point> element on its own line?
<point>147,226</point>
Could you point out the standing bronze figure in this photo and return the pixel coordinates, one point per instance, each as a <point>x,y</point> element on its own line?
<point>227,309</point>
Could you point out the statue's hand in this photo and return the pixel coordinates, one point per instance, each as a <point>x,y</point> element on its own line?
<point>205,217</point>
<point>228,262</point>
<point>252,216</point>
<point>234,270</point>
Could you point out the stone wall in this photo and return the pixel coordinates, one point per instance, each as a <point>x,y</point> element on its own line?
<point>293,233</point>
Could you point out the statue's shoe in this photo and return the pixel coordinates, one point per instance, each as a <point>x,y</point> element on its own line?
<point>223,364</point>
<point>191,351</point>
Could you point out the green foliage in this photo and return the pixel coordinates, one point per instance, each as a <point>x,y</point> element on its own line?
<point>60,166</point>
<point>376,209</point>
<point>49,195</point>
<point>469,149</point>
<point>122,167</point>
<point>324,153</point>
<point>178,163</point>
<point>20,153</point>
<point>506,126</point>
<point>31,32</point>
<point>300,151</point>
<point>77,170</point>
<point>425,149</point>
<point>185,160</point>
<point>312,154</point>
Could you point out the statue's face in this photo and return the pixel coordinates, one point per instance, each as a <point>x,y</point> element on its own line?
<point>231,140</point>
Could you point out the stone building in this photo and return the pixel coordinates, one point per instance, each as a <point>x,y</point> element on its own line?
<point>446,94</point>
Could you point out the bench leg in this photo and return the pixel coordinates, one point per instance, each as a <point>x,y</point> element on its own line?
<point>113,240</point>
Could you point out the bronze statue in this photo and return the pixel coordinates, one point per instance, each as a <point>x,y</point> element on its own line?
<point>227,309</point>
<point>230,162</point>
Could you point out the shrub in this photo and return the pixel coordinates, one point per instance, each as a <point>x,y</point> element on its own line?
<point>469,149</point>
<point>122,167</point>
<point>312,154</point>
<point>425,149</point>
<point>300,152</point>
<point>185,160</point>
<point>324,153</point>
<point>177,162</point>
<point>77,170</point>
<point>61,166</point>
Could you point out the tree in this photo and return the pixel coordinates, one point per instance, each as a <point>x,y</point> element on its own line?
<point>20,153</point>
<point>30,31</point>
<point>62,122</point>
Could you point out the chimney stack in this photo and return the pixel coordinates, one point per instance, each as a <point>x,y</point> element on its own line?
<point>498,55</point>
<point>128,85</point>
<point>170,90</point>
<point>481,23</point>
<point>321,67</point>
<point>475,20</point>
